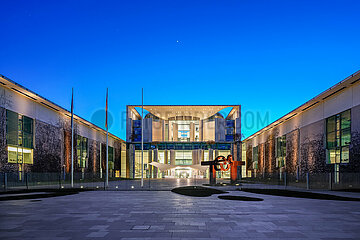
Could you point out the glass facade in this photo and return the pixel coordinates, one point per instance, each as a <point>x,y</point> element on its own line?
<point>229,130</point>
<point>255,157</point>
<point>338,137</point>
<point>181,137</point>
<point>185,128</point>
<point>183,157</point>
<point>136,135</point>
<point>82,151</point>
<point>19,138</point>
<point>280,152</point>
<point>138,163</point>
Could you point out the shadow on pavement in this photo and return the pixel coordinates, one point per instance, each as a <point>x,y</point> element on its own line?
<point>298,194</point>
<point>196,191</point>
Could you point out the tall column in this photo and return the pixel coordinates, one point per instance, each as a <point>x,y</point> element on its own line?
<point>172,157</point>
<point>195,157</point>
<point>131,155</point>
<point>155,159</point>
<point>201,156</point>
<point>192,132</point>
<point>211,154</point>
<point>166,157</point>
<point>217,153</point>
<point>201,130</point>
<point>151,167</point>
<point>175,132</point>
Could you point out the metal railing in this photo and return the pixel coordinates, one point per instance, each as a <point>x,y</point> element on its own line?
<point>31,180</point>
<point>320,181</point>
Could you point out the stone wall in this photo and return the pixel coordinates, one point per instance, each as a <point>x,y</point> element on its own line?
<point>292,151</point>
<point>47,148</point>
<point>270,160</point>
<point>4,165</point>
<point>354,163</point>
<point>52,149</point>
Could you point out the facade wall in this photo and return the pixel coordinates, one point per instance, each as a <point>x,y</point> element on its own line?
<point>52,138</point>
<point>306,138</point>
<point>312,148</point>
<point>48,148</point>
<point>157,131</point>
<point>209,131</point>
<point>355,141</point>
<point>183,138</point>
<point>292,150</point>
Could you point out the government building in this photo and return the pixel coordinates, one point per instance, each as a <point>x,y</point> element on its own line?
<point>36,137</point>
<point>320,136</point>
<point>177,138</point>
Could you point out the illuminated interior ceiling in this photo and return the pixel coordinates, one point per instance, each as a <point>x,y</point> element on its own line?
<point>167,111</point>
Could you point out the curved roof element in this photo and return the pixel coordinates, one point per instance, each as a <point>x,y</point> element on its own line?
<point>200,111</point>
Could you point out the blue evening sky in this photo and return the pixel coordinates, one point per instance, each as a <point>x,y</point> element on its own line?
<point>268,56</point>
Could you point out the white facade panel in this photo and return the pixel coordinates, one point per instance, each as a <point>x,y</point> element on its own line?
<point>18,103</point>
<point>356,94</point>
<point>338,103</point>
<point>314,114</point>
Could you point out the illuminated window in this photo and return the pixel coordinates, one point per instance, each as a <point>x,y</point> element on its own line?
<point>183,157</point>
<point>161,157</point>
<point>229,130</point>
<point>138,162</point>
<point>183,131</point>
<point>20,155</point>
<point>255,157</point>
<point>280,151</point>
<point>111,158</point>
<point>19,138</point>
<point>338,137</point>
<point>82,151</point>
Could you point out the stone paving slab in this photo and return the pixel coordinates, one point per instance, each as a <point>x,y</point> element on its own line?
<point>165,215</point>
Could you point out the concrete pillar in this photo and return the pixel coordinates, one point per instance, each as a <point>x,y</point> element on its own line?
<point>217,153</point>
<point>132,160</point>
<point>211,154</point>
<point>175,132</point>
<point>172,157</point>
<point>201,130</point>
<point>150,167</point>
<point>166,157</point>
<point>155,159</point>
<point>201,155</point>
<point>192,132</point>
<point>195,157</point>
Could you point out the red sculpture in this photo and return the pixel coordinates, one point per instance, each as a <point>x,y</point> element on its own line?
<point>225,164</point>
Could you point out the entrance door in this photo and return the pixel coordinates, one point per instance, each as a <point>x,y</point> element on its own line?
<point>182,173</point>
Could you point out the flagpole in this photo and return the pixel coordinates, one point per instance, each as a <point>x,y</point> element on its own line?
<point>107,142</point>
<point>72,137</point>
<point>142,137</point>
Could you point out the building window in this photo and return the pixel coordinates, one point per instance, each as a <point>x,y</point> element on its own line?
<point>196,131</point>
<point>82,151</point>
<point>280,152</point>
<point>136,135</point>
<point>166,132</point>
<point>338,137</point>
<point>183,157</point>
<point>183,131</point>
<point>111,158</point>
<point>229,130</point>
<point>255,157</point>
<point>19,138</point>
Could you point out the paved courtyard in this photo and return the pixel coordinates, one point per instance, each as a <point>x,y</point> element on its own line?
<point>167,215</point>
